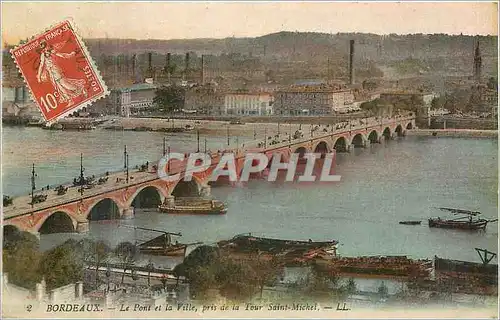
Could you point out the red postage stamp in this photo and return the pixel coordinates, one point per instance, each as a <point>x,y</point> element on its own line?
<point>59,71</point>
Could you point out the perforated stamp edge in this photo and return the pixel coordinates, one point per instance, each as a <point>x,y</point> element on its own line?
<point>92,64</point>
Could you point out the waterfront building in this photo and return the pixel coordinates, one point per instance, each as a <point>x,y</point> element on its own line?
<point>313,100</point>
<point>204,100</point>
<point>248,103</point>
<point>420,99</point>
<point>133,99</point>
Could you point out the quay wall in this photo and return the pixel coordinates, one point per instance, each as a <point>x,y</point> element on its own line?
<point>456,133</point>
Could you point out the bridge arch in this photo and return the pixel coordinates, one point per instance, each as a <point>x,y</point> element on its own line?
<point>340,145</point>
<point>283,156</point>
<point>409,126</point>
<point>185,188</point>
<point>399,130</point>
<point>373,136</point>
<point>148,196</point>
<point>322,147</point>
<point>301,151</point>
<point>387,133</point>
<point>358,140</point>
<point>57,222</point>
<point>104,209</point>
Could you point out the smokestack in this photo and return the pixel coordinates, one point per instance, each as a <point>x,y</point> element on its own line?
<point>477,63</point>
<point>351,62</point>
<point>133,67</point>
<point>167,63</point>
<point>202,69</point>
<point>187,62</point>
<point>150,62</point>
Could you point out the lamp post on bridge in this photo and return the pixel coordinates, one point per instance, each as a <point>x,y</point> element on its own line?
<point>82,178</point>
<point>168,162</point>
<point>227,133</point>
<point>164,146</point>
<point>33,186</point>
<point>198,139</point>
<point>265,138</point>
<point>127,169</point>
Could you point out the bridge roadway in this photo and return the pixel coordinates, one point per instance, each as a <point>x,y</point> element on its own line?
<point>24,216</point>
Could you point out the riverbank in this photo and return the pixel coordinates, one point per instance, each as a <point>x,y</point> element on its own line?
<point>456,133</point>
<point>205,127</point>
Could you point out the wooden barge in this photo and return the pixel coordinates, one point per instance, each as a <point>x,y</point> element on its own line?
<point>288,250</point>
<point>194,206</point>
<point>378,266</point>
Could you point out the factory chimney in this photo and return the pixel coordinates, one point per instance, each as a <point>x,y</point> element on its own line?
<point>186,67</point>
<point>167,63</point>
<point>202,69</point>
<point>477,63</point>
<point>351,62</point>
<point>133,68</point>
<point>150,64</point>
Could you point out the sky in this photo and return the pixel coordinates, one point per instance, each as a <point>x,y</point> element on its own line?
<point>180,20</point>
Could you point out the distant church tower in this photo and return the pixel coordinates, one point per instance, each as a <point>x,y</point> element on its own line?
<point>477,63</point>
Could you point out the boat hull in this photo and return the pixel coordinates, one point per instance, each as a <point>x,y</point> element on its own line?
<point>462,225</point>
<point>174,251</point>
<point>191,211</point>
<point>410,223</point>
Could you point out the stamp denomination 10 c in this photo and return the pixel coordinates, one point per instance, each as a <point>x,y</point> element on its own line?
<point>59,71</point>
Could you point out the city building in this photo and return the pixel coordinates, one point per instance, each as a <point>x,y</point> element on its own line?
<point>420,99</point>
<point>313,100</point>
<point>248,103</point>
<point>16,102</point>
<point>133,99</point>
<point>204,100</point>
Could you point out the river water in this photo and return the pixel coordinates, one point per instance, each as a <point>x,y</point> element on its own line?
<point>403,179</point>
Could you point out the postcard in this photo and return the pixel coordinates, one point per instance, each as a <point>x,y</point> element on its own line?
<point>249,160</point>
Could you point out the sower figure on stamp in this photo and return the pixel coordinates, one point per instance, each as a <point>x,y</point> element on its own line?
<point>66,88</point>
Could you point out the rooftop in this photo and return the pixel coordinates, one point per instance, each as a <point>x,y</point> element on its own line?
<point>138,87</point>
<point>250,93</point>
<point>406,92</point>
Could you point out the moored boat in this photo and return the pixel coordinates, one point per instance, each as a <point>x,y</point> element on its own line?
<point>469,220</point>
<point>162,245</point>
<point>194,206</point>
<point>478,224</point>
<point>411,222</point>
<point>292,249</point>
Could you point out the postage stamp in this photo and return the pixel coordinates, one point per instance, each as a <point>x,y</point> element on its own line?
<point>252,160</point>
<point>59,71</point>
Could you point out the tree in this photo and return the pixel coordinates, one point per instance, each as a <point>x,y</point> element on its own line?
<point>267,271</point>
<point>350,287</point>
<point>127,252</point>
<point>21,258</point>
<point>201,279</point>
<point>201,256</point>
<point>382,290</point>
<point>438,102</point>
<point>170,98</point>
<point>492,84</point>
<point>88,251</point>
<point>236,280</point>
<point>150,267</point>
<point>62,265</point>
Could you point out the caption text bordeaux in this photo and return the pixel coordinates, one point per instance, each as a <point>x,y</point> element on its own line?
<point>184,307</point>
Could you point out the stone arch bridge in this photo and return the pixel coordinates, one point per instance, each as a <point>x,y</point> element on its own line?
<point>117,198</point>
